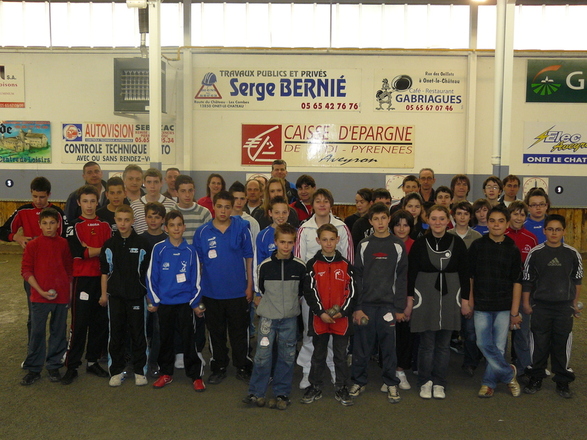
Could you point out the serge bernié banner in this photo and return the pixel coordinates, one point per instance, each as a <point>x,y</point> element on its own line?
<point>329,145</point>
<point>555,143</point>
<point>420,89</point>
<point>114,143</point>
<point>25,142</point>
<point>11,86</point>
<point>551,80</point>
<point>281,89</point>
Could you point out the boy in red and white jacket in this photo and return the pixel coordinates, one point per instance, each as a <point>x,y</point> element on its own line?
<point>329,283</point>
<point>86,235</point>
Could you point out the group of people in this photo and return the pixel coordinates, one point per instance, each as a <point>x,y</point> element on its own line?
<point>397,280</point>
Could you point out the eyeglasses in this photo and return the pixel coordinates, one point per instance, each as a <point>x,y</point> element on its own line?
<point>537,205</point>
<point>554,229</point>
<point>492,187</point>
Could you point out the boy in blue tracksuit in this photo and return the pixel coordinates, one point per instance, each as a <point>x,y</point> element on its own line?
<point>172,283</point>
<point>280,284</point>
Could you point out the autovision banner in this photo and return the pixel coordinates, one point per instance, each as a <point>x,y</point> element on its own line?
<point>114,143</point>
<point>556,80</point>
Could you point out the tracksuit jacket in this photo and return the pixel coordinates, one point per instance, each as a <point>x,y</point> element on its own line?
<point>327,284</point>
<point>559,269</point>
<point>125,261</point>
<point>93,233</point>
<point>173,276</point>
<point>281,285</point>
<point>27,218</point>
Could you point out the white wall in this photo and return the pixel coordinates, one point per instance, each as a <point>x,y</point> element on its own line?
<point>77,86</point>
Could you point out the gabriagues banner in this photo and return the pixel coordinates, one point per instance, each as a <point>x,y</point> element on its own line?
<point>420,89</point>
<point>556,80</point>
<point>114,143</point>
<point>555,143</point>
<point>329,145</point>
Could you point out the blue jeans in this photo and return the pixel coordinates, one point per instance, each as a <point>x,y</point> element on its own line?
<point>284,333</point>
<point>492,330</point>
<point>39,353</point>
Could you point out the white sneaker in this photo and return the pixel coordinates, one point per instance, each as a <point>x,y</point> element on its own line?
<point>547,372</point>
<point>384,388</point>
<point>438,392</point>
<point>355,390</point>
<point>141,380</point>
<point>426,390</point>
<point>403,380</point>
<point>305,382</point>
<point>393,394</point>
<point>179,361</point>
<point>116,380</point>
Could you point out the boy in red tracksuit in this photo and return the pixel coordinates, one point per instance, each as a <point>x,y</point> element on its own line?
<point>86,235</point>
<point>329,282</point>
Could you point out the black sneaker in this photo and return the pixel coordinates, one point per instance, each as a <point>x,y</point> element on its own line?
<point>312,393</point>
<point>244,375</point>
<point>282,402</point>
<point>54,375</point>
<point>33,376</point>
<point>154,370</point>
<point>217,377</point>
<point>533,386</point>
<point>457,346</point>
<point>562,389</point>
<point>96,369</point>
<point>343,396</point>
<point>68,377</point>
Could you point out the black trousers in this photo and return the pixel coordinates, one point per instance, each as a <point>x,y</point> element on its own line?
<point>127,317</point>
<point>232,316</point>
<point>552,335</point>
<point>182,316</point>
<point>318,363</point>
<point>87,317</point>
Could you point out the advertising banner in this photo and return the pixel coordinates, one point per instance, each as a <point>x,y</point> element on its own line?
<point>420,89</point>
<point>555,143</point>
<point>556,80</point>
<point>329,145</point>
<point>237,88</point>
<point>11,86</point>
<point>25,142</point>
<point>113,143</point>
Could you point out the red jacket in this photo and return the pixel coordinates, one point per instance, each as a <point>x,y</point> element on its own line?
<point>84,233</point>
<point>27,218</point>
<point>524,239</point>
<point>49,260</point>
<point>327,284</point>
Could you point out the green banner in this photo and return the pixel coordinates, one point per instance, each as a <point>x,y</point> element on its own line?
<point>551,80</point>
